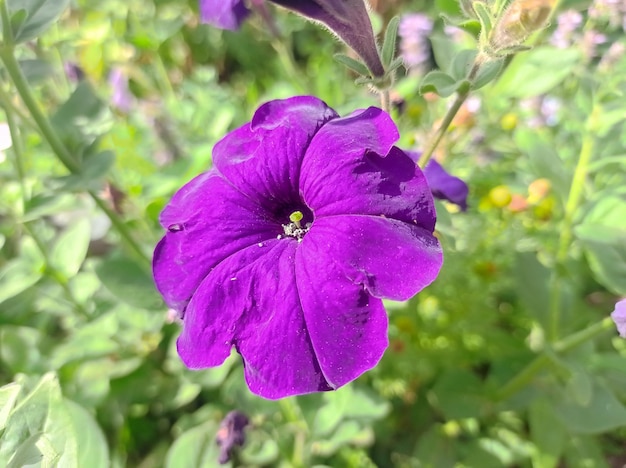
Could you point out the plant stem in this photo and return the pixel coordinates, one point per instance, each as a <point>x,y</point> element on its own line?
<point>60,150</point>
<point>443,128</point>
<point>16,146</point>
<point>19,80</point>
<point>566,234</point>
<point>526,375</point>
<point>385,101</point>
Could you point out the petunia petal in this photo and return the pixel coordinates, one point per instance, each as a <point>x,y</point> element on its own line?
<point>224,14</point>
<point>263,159</point>
<point>250,301</point>
<point>391,259</point>
<point>207,220</point>
<point>347,326</point>
<point>351,167</point>
<point>445,186</point>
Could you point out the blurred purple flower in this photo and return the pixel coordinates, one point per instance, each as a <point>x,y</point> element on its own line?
<point>121,97</point>
<point>413,31</point>
<point>568,23</point>
<point>231,434</point>
<point>612,10</point>
<point>223,14</point>
<point>73,72</point>
<point>285,249</point>
<point>346,18</point>
<point>619,317</point>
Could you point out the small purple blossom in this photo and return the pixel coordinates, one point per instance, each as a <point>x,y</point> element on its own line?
<point>285,249</point>
<point>73,72</point>
<point>346,18</point>
<point>231,434</point>
<point>568,24</point>
<point>121,97</point>
<point>223,14</point>
<point>619,317</point>
<point>413,32</point>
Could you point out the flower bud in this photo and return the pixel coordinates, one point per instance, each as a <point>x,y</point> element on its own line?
<point>348,19</point>
<point>518,21</point>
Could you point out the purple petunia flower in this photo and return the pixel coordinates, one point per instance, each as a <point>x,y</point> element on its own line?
<point>231,434</point>
<point>346,18</point>
<point>442,184</point>
<point>285,249</point>
<point>121,97</point>
<point>619,317</point>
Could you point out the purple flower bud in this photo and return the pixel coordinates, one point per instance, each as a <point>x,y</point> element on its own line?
<point>231,434</point>
<point>619,317</point>
<point>73,72</point>
<point>121,97</point>
<point>346,18</point>
<point>223,14</point>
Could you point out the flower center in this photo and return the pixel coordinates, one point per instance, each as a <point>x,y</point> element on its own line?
<point>296,228</point>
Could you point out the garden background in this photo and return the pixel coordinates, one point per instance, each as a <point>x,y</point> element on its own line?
<point>507,359</point>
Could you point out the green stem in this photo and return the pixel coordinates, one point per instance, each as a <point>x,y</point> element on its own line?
<point>289,64</point>
<point>7,30</point>
<point>443,128</point>
<point>574,198</point>
<point>385,102</point>
<point>15,72</point>
<point>528,373</point>
<point>44,125</point>
<point>16,146</point>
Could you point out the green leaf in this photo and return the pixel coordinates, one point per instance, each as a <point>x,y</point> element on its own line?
<point>36,70</point>
<point>8,398</point>
<point>81,119</point>
<point>487,73</point>
<point>389,43</point>
<point>69,251</point>
<point>17,276</point>
<point>483,12</point>
<point>462,63</point>
<point>354,65</point>
<point>603,413</point>
<point>28,419</point>
<point>40,14</point>
<point>91,449</point>
<point>536,72</point>
<point>544,159</point>
<point>547,433</point>
<point>533,280</point>
<point>603,236</point>
<point>93,169</point>
<point>438,82</point>
<point>129,283</point>
<point>195,447</point>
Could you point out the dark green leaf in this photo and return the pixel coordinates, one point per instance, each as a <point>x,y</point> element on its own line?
<point>129,283</point>
<point>40,14</point>
<point>438,82</point>
<point>352,64</point>
<point>547,433</point>
<point>389,43</point>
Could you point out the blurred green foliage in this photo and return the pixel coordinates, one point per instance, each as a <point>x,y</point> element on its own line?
<point>498,363</point>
